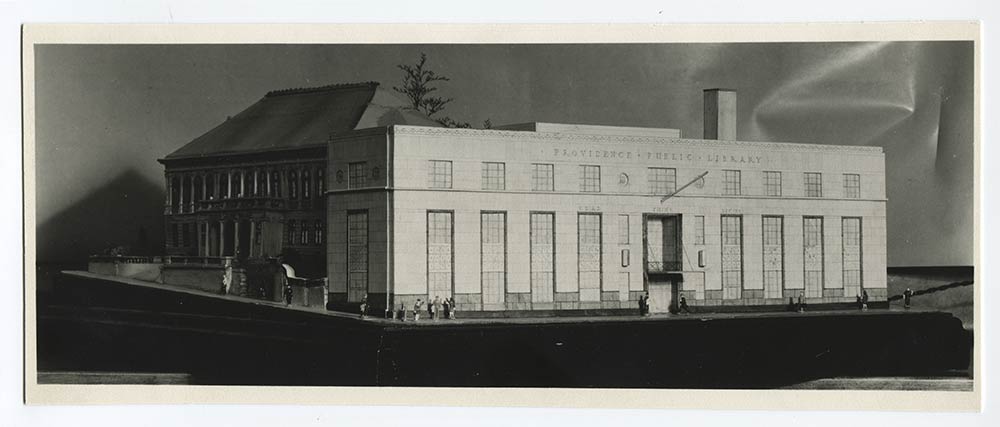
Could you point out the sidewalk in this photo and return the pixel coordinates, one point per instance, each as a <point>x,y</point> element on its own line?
<point>487,321</point>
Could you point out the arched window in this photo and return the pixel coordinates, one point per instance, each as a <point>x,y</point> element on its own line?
<point>320,183</point>
<point>198,194</point>
<point>275,184</point>
<point>304,233</point>
<point>306,187</point>
<point>210,186</point>
<point>175,194</point>
<point>319,232</point>
<point>290,233</point>
<point>224,186</point>
<point>293,186</point>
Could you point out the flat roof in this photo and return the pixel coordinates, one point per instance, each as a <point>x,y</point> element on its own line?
<point>590,129</point>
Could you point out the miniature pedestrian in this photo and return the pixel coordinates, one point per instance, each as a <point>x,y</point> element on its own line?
<point>791,304</point>
<point>402,312</point>
<point>907,294</point>
<point>857,300</point>
<point>645,304</point>
<point>364,307</point>
<point>225,284</point>
<point>288,295</point>
<point>447,307</point>
<point>430,308</point>
<point>417,306</point>
<point>684,305</point>
<point>864,300</point>
<point>454,308</point>
<point>802,303</point>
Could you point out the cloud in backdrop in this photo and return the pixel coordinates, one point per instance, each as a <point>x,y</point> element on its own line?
<point>105,113</point>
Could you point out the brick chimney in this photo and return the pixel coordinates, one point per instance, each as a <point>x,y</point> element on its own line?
<point>720,114</point>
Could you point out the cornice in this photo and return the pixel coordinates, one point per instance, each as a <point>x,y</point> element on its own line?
<point>585,138</point>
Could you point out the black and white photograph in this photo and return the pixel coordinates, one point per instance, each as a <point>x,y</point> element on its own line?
<point>719,215</point>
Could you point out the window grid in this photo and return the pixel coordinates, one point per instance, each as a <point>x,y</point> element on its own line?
<point>772,183</point>
<point>731,182</point>
<point>358,175</point>
<point>493,248</point>
<point>851,228</point>
<point>589,256</point>
<point>732,256</point>
<point>542,237</point>
<point>493,176</point>
<point>440,250</point>
<point>623,230</point>
<point>357,255</point>
<point>812,248</point>
<point>440,174</point>
<point>699,229</point>
<point>662,181</point>
<point>774,256</point>
<point>852,185</point>
<point>542,177</point>
<point>814,184</point>
<point>590,179</point>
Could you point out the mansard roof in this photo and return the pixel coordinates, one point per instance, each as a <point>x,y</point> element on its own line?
<point>303,117</point>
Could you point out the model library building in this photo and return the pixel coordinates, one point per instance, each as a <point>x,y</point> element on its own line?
<point>391,207</point>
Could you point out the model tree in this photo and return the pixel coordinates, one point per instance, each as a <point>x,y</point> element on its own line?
<point>418,86</point>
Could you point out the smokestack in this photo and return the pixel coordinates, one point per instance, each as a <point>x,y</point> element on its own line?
<point>720,114</point>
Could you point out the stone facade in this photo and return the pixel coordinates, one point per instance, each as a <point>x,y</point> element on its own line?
<point>829,244</point>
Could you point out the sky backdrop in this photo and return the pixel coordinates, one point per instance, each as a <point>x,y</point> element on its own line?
<point>105,113</point>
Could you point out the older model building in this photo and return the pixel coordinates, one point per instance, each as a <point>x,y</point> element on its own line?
<point>253,187</point>
<point>544,216</point>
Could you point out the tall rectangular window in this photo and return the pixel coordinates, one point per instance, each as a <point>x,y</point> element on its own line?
<point>440,174</point>
<point>731,185</point>
<point>493,176</point>
<point>357,255</point>
<point>663,248</point>
<point>812,247</point>
<point>623,231</point>
<point>543,255</point>
<point>589,255</point>
<point>662,181</point>
<point>851,228</point>
<point>358,175</point>
<point>732,256</point>
<point>774,256</point>
<point>542,177</point>
<point>814,184</point>
<point>440,249</point>
<point>852,185</point>
<point>772,183</point>
<point>493,243</point>
<point>590,179</point>
<point>699,229</point>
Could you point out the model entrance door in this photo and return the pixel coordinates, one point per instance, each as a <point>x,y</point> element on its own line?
<point>662,236</point>
<point>661,296</point>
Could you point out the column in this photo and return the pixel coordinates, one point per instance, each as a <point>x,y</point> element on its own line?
<point>167,208</point>
<point>253,230</point>
<point>243,190</point>
<point>229,184</point>
<point>192,194</point>
<point>180,203</point>
<point>222,238</point>
<point>256,179</point>
<point>236,237</point>
<point>204,186</point>
<point>216,193</point>
<point>208,238</point>
<point>197,230</point>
